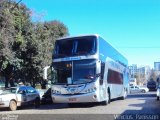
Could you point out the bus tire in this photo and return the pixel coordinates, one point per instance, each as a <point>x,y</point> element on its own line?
<point>109,98</point>
<point>105,102</point>
<point>71,104</point>
<point>157,97</point>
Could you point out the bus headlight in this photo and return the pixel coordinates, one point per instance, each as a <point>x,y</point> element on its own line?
<point>91,90</point>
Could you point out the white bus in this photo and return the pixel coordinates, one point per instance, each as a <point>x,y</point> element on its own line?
<point>88,69</point>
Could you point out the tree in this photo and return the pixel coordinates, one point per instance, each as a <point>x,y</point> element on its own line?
<point>140,78</point>
<point>25,47</point>
<point>153,75</point>
<point>7,31</point>
<point>46,35</point>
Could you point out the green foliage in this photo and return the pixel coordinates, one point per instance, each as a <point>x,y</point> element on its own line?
<point>25,47</point>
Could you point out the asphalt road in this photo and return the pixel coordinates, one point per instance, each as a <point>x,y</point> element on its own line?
<point>142,106</point>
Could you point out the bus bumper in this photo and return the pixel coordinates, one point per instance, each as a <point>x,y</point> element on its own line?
<point>82,98</point>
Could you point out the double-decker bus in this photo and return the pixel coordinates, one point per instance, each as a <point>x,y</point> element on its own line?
<point>88,69</point>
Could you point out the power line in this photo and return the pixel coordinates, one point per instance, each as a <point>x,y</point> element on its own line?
<point>16,5</point>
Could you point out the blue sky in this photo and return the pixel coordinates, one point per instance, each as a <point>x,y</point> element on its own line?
<point>131,26</point>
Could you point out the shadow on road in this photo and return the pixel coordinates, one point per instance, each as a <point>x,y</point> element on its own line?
<point>141,95</point>
<point>52,106</point>
<point>65,105</point>
<point>147,109</point>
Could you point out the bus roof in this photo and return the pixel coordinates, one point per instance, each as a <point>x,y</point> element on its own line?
<point>96,35</point>
<point>125,61</point>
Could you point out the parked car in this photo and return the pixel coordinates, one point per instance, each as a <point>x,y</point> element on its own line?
<point>18,96</point>
<point>151,85</point>
<point>158,93</point>
<point>138,89</point>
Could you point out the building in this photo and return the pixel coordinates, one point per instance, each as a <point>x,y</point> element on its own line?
<point>142,74</point>
<point>132,82</point>
<point>133,70</point>
<point>157,66</point>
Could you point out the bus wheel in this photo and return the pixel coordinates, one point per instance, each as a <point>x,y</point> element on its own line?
<point>72,105</point>
<point>109,98</point>
<point>157,97</point>
<point>106,102</point>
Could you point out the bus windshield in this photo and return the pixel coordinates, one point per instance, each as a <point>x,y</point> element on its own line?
<point>82,72</point>
<point>75,46</point>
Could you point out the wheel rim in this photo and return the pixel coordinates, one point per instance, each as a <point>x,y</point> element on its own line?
<point>13,105</point>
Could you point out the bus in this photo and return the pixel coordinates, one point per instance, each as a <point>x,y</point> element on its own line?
<point>87,69</point>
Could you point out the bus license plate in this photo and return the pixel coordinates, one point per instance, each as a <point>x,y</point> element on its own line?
<point>72,99</point>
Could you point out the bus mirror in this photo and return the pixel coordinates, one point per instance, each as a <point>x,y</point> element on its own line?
<point>158,80</point>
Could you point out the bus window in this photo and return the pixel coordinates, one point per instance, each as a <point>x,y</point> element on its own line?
<point>84,71</point>
<point>64,48</point>
<point>62,71</point>
<point>75,46</point>
<point>114,77</point>
<point>85,46</point>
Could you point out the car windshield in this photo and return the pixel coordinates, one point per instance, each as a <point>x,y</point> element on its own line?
<point>8,91</point>
<point>75,46</point>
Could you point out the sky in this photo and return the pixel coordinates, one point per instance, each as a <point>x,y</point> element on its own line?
<point>130,26</point>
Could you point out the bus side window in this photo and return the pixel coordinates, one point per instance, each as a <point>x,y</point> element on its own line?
<point>102,73</point>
